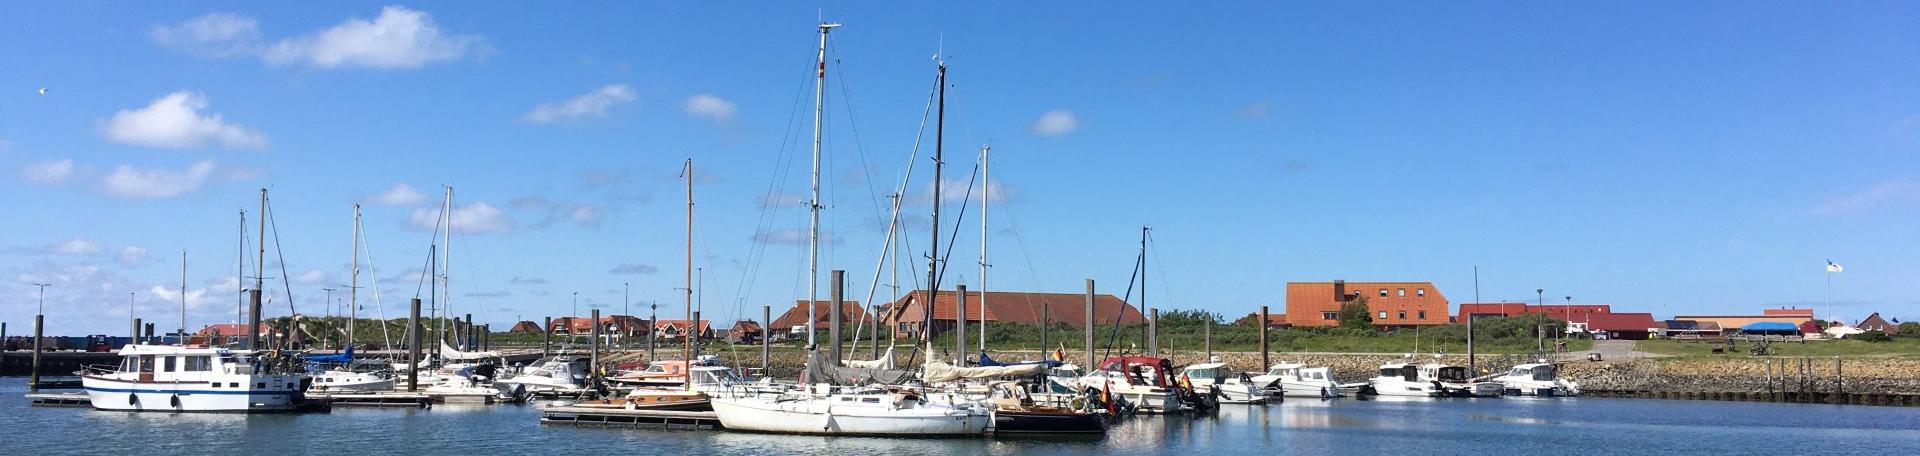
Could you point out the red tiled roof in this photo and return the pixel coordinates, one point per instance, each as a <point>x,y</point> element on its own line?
<point>231,329</point>
<point>851,312</point>
<point>681,325</point>
<point>1788,311</point>
<point>1560,311</point>
<point>525,326</point>
<point>1018,307</point>
<point>744,326</point>
<point>1636,321</point>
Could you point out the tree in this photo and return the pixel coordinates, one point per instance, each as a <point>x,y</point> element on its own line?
<point>1910,329</point>
<point>1355,315</point>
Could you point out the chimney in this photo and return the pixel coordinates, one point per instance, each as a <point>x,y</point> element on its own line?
<point>1339,291</point>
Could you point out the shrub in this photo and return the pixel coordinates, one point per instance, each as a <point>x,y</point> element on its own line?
<point>1873,336</point>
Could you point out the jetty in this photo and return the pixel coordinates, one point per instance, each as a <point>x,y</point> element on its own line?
<point>623,418</point>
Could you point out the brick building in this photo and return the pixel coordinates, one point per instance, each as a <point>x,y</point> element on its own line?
<point>1390,304</point>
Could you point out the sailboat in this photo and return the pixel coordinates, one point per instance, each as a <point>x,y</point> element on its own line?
<point>696,381</point>
<point>349,374</point>
<point>824,408</point>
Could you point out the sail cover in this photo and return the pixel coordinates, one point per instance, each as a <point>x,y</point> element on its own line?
<point>939,371</point>
<point>884,362</point>
<point>447,352</point>
<point>342,357</point>
<point>989,361</point>
<point>821,370</point>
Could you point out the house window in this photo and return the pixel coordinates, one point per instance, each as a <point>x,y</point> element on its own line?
<point>1423,315</point>
<point>1420,292</point>
<point>1330,315</point>
<point>1403,315</point>
<point>1383,292</point>
<point>1383,315</point>
<point>1402,292</point>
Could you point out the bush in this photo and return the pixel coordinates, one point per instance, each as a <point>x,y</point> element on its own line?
<point>1873,336</point>
<point>1354,314</point>
<point>1910,329</point>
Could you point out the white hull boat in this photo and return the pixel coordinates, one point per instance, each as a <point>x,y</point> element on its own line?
<point>1537,379</point>
<point>1430,380</point>
<point>873,414</point>
<point>337,381</point>
<point>1294,380</point>
<point>182,379</point>
<point>1208,379</point>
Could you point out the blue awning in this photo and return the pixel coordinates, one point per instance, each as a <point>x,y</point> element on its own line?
<point>1770,327</point>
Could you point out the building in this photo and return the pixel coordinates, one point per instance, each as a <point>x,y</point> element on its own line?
<point>1274,320</point>
<point>1788,312</point>
<point>230,334</point>
<point>1571,312</point>
<point>1875,323</point>
<point>745,332</point>
<point>795,319</point>
<point>674,329</point>
<point>1009,307</point>
<point>623,326</point>
<point>1733,323</point>
<point>1690,330</point>
<point>1629,326</point>
<point>1390,304</point>
<point>525,326</point>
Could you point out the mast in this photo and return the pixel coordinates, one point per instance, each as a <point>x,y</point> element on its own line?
<point>183,297</point>
<point>353,282</point>
<point>986,184</point>
<point>259,279</point>
<point>240,274</point>
<point>933,258</point>
<point>1143,275</point>
<point>693,327</point>
<point>813,207</point>
<point>446,275</point>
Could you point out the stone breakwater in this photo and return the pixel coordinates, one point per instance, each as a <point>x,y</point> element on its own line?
<point>1733,374</point>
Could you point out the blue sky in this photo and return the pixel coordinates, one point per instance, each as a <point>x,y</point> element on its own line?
<point>1672,158</point>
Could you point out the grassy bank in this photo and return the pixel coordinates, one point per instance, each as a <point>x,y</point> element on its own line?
<point>1898,347</point>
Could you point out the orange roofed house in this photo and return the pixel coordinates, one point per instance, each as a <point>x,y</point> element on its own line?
<point>794,321</point>
<point>906,314</point>
<point>1390,304</point>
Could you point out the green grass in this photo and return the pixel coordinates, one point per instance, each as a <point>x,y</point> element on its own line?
<point>1898,347</point>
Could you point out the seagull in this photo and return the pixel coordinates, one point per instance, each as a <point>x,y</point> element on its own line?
<point>43,90</point>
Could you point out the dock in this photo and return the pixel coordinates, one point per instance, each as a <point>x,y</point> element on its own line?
<point>60,399</point>
<point>635,419</point>
<point>374,399</point>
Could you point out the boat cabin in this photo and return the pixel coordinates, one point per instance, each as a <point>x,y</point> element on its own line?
<point>1540,372</point>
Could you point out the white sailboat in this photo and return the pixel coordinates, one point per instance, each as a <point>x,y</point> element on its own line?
<point>351,375</point>
<point>558,375</point>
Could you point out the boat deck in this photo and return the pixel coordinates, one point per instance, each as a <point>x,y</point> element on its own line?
<point>622,418</point>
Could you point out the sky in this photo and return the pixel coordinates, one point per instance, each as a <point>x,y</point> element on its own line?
<point>1674,158</point>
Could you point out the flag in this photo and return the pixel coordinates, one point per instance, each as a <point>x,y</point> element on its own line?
<point>1834,267</point>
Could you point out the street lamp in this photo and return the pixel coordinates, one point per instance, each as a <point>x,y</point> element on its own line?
<point>43,296</point>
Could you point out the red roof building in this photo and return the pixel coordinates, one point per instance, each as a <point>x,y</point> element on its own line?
<point>1788,312</point>
<point>673,329</point>
<point>1010,307</point>
<point>1569,312</point>
<point>1629,326</point>
<point>1875,323</point>
<point>850,314</point>
<point>745,332</point>
<point>525,326</point>
<point>1388,303</point>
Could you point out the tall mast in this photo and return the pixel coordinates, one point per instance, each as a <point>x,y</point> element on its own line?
<point>986,184</point>
<point>933,258</point>
<point>183,297</point>
<point>813,207</point>
<point>353,282</point>
<point>446,275</point>
<point>693,327</point>
<point>259,279</point>
<point>240,273</point>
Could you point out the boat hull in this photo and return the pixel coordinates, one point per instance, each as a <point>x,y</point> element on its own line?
<point>817,418</point>
<point>132,396</point>
<point>1049,423</point>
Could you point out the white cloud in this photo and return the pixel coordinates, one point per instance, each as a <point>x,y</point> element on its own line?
<point>631,268</point>
<point>212,35</point>
<point>75,246</point>
<point>1055,123</point>
<point>311,277</point>
<point>954,191</point>
<point>398,38</point>
<point>711,107</point>
<point>586,215</point>
<point>399,194</point>
<point>129,182</point>
<point>1890,194</point>
<point>131,256</point>
<point>53,172</point>
<point>476,218</point>
<point>594,104</point>
<point>174,121</point>
<point>196,299</point>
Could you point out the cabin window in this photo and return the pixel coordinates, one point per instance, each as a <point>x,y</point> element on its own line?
<point>233,384</point>
<point>1383,292</point>
<point>1329,315</point>
<point>870,400</point>
<point>169,364</point>
<point>199,363</point>
<point>1402,292</point>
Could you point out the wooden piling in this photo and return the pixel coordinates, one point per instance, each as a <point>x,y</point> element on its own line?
<point>546,339</point>
<point>1088,325</point>
<point>1264,362</point>
<point>136,332</point>
<point>766,337</point>
<point>960,325</point>
<point>33,373</point>
<point>413,341</point>
<point>1153,332</point>
<point>837,289</point>
<point>593,357</point>
<point>1206,334</point>
<point>253,313</point>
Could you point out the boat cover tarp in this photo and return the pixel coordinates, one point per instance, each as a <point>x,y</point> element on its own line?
<point>884,362</point>
<point>938,371</point>
<point>342,357</point>
<point>447,352</point>
<point>821,370</point>
<point>989,361</point>
<point>1770,327</point>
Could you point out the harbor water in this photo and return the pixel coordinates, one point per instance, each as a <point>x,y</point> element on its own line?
<point>1346,426</point>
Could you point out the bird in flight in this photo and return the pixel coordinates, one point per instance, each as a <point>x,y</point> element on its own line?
<point>43,90</point>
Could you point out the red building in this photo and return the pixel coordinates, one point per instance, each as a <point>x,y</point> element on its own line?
<point>1875,323</point>
<point>1788,312</point>
<point>1569,312</point>
<point>850,314</point>
<point>1010,307</point>
<point>1629,326</point>
<point>1388,303</point>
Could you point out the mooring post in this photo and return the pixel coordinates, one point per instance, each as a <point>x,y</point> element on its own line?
<point>253,316</point>
<point>960,325</point>
<point>150,338</point>
<point>838,291</point>
<point>1087,324</point>
<point>1045,324</point>
<point>1153,332</point>
<point>33,379</point>
<point>136,332</point>
<point>1263,338</point>
<point>1840,377</point>
<point>593,357</point>
<point>546,339</point>
<point>468,342</point>
<point>413,343</point>
<point>766,338</point>
<point>1206,334</point>
<point>1767,366</point>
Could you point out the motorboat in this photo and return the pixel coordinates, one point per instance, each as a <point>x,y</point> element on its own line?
<point>1209,379</point>
<point>1145,382</point>
<point>1015,412</point>
<point>1536,379</point>
<point>173,378</point>
<point>1430,380</point>
<point>356,376</point>
<point>661,374</point>
<point>1295,380</point>
<point>556,376</point>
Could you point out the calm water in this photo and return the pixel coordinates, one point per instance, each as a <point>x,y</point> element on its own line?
<point>1485,426</point>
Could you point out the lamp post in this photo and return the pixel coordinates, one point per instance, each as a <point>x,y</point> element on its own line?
<point>1569,307</point>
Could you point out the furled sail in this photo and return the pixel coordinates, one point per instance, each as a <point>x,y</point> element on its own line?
<point>448,353</point>
<point>940,371</point>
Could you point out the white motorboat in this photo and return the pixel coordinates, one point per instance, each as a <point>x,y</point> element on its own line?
<point>1430,380</point>
<point>825,410</point>
<point>173,378</point>
<point>1208,379</point>
<point>1536,379</point>
<point>558,375</point>
<point>348,379</point>
<point>1295,380</point>
<point>1145,382</point>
